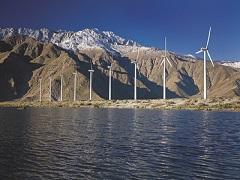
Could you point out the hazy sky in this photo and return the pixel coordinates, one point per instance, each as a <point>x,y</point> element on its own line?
<point>184,22</point>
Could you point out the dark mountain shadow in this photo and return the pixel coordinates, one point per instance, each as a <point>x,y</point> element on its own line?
<point>4,47</point>
<point>56,91</point>
<point>237,90</point>
<point>15,72</point>
<point>187,84</point>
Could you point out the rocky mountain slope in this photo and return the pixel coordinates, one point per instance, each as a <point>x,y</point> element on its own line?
<point>26,56</point>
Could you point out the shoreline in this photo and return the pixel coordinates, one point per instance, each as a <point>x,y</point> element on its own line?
<point>216,104</point>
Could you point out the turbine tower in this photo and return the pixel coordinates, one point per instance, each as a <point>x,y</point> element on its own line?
<point>90,82</point>
<point>110,83</point>
<point>164,59</point>
<point>40,89</point>
<point>135,76</point>
<point>75,86</point>
<point>61,90</point>
<point>205,52</point>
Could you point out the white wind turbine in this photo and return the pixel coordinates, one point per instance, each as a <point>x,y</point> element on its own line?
<point>135,75</point>
<point>205,51</point>
<point>40,89</point>
<point>90,82</point>
<point>110,83</point>
<point>74,86</point>
<point>61,89</point>
<point>75,83</point>
<point>164,58</point>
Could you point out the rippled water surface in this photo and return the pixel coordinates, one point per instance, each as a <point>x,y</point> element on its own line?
<point>92,143</point>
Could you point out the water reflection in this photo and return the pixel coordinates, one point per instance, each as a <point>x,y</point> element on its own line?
<point>167,126</point>
<point>90,143</point>
<point>205,137</point>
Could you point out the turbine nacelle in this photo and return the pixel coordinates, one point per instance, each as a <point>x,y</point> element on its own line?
<point>204,49</point>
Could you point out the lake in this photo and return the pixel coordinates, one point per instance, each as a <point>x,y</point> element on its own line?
<point>91,143</point>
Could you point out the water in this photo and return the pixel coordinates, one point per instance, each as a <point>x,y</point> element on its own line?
<point>90,143</point>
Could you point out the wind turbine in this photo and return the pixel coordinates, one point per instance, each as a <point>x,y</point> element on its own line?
<point>164,58</point>
<point>50,89</point>
<point>90,82</point>
<point>110,80</point>
<point>135,76</point>
<point>40,89</point>
<point>61,91</point>
<point>110,83</point>
<point>205,51</point>
<point>75,86</point>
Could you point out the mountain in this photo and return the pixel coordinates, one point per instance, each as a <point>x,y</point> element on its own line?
<point>27,55</point>
<point>69,40</point>
<point>234,64</point>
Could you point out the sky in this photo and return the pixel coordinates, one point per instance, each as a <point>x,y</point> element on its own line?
<point>185,23</point>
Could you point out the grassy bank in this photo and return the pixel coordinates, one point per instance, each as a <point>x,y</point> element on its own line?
<point>189,104</point>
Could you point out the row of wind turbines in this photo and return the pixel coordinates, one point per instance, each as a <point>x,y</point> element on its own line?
<point>164,58</point>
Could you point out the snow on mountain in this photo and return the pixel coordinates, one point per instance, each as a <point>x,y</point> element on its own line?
<point>86,38</point>
<point>187,57</point>
<point>190,56</point>
<point>235,64</point>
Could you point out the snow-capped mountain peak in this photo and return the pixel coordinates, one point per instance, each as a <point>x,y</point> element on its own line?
<point>86,39</point>
<point>72,40</point>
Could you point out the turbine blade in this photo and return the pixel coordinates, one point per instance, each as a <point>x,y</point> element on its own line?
<point>199,52</point>
<point>169,61</point>
<point>162,63</point>
<point>210,58</point>
<point>209,34</point>
<point>165,46</point>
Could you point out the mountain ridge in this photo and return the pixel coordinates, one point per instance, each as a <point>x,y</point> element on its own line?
<point>24,60</point>
<point>90,38</point>
<point>71,40</point>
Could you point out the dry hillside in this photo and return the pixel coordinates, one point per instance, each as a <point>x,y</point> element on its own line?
<point>23,61</point>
